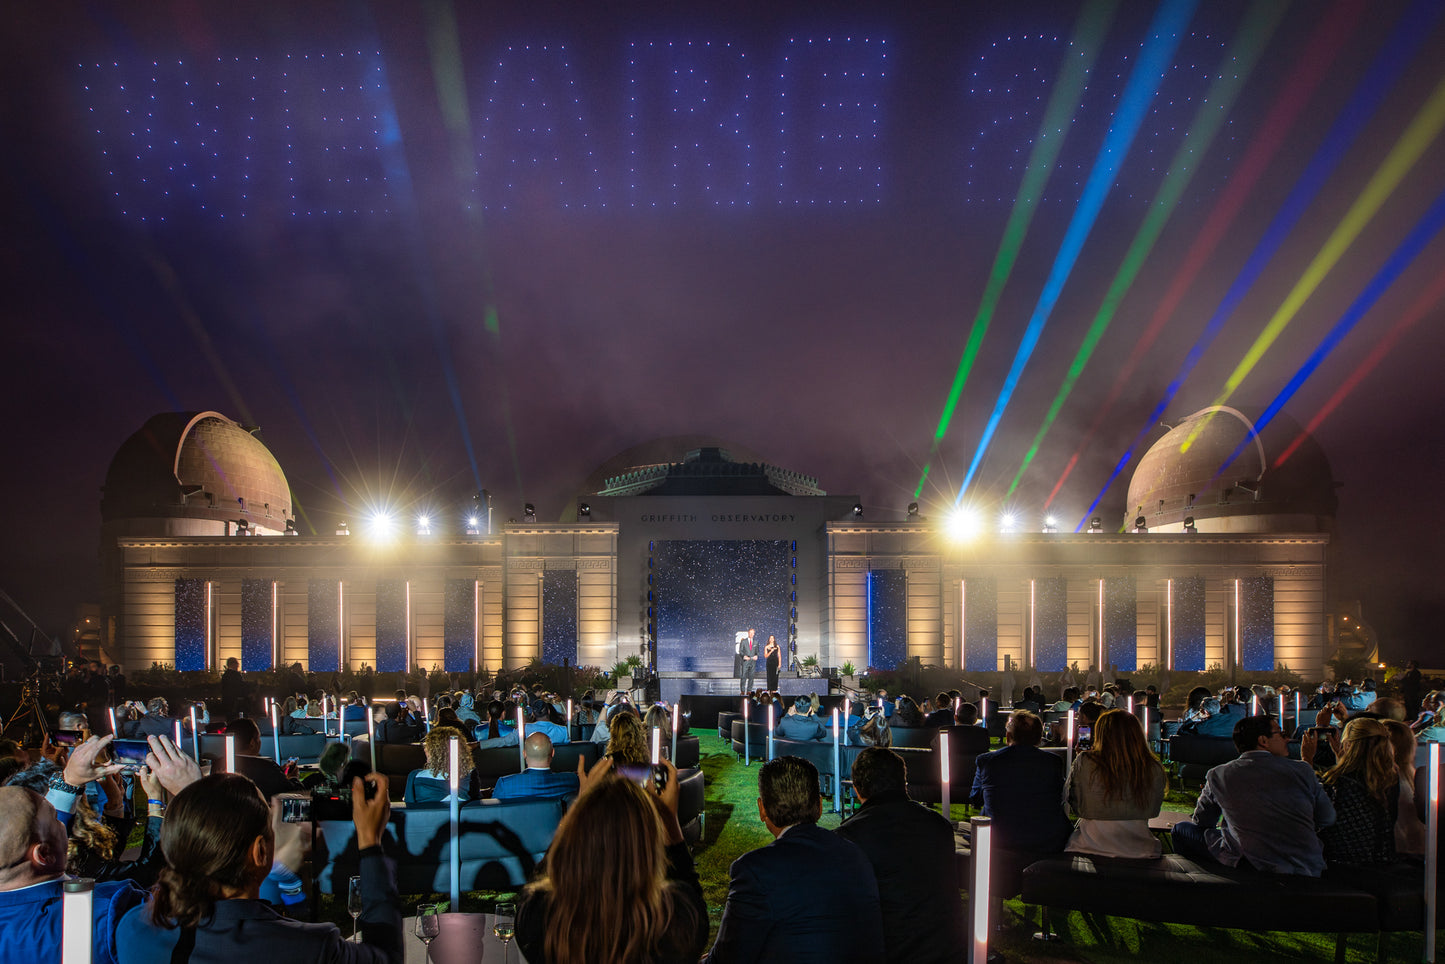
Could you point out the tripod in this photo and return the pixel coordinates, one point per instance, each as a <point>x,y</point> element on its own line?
<point>26,725</point>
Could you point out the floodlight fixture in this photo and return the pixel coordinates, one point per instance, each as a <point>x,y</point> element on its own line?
<point>964,524</point>
<point>1008,522</point>
<point>1189,526</point>
<point>1096,524</point>
<point>857,510</point>
<point>1051,523</point>
<point>1141,524</point>
<point>913,510</point>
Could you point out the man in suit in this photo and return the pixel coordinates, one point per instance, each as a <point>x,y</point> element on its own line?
<point>1022,788</point>
<point>538,780</point>
<point>912,852</point>
<point>749,652</point>
<point>155,722</point>
<point>263,771</point>
<point>809,895</point>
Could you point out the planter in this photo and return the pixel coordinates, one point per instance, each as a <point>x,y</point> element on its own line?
<point>624,682</point>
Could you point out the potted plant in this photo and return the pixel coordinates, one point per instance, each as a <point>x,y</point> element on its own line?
<point>847,673</point>
<point>622,675</point>
<point>810,666</point>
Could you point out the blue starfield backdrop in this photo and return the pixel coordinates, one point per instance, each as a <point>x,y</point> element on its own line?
<point>460,625</point>
<point>887,618</point>
<point>391,628</point>
<point>323,625</point>
<point>1256,623</point>
<point>559,616</point>
<point>980,623</point>
<point>1187,629</point>
<point>706,591</point>
<point>190,624</point>
<point>258,623</point>
<point>1051,624</point>
<point>1121,623</point>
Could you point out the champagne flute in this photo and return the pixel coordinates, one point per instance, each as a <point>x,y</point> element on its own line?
<point>353,906</point>
<point>504,924</point>
<point>428,925</point>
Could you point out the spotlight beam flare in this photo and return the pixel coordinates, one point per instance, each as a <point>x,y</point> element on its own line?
<point>1425,229</point>
<point>1088,38</point>
<point>1421,133</point>
<point>1314,65</point>
<point>1163,39</point>
<point>1387,67</point>
<point>1243,55</point>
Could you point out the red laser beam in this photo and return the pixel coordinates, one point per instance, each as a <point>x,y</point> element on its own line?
<point>1326,42</point>
<point>1418,309</point>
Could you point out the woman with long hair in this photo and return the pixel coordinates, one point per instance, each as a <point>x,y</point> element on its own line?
<point>1364,786</point>
<point>1115,787</point>
<point>627,742</point>
<point>492,733</point>
<point>219,840</point>
<point>773,657</point>
<point>1409,829</point>
<point>432,783</point>
<point>618,885</point>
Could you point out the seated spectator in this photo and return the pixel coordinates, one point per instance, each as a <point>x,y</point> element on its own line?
<point>330,767</point>
<point>1409,829</point>
<point>652,908</point>
<point>1068,701</point>
<point>467,708</point>
<point>494,733</point>
<point>1362,698</point>
<point>1364,786</point>
<point>546,719</point>
<point>33,855</point>
<point>538,780</point>
<point>291,723</point>
<point>615,702</point>
<point>220,844</point>
<point>1029,701</point>
<point>1022,788</point>
<point>296,707</point>
<point>911,850</point>
<point>397,726</point>
<point>872,729</point>
<point>355,709</point>
<point>1115,787</point>
<point>800,724</point>
<point>967,715</point>
<point>768,916</point>
<point>13,750</point>
<point>628,742</point>
<point>1261,810</point>
<point>905,713</point>
<point>261,770</point>
<point>1211,720</point>
<point>432,783</point>
<point>1384,708</point>
<point>942,714</point>
<point>447,717</point>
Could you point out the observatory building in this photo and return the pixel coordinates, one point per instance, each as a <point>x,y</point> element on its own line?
<point>672,548</point>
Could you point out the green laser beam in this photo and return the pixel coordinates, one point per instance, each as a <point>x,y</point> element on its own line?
<point>1421,133</point>
<point>1088,38</point>
<point>1243,55</point>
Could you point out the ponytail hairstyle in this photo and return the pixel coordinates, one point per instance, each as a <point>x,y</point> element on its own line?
<point>207,837</point>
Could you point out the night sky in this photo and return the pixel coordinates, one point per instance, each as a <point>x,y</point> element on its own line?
<point>430,248</point>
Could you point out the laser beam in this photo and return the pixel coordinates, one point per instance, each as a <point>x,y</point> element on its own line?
<point>1423,130</point>
<point>1088,38</point>
<point>1425,229</point>
<point>1328,39</point>
<point>1163,39</point>
<point>1392,60</point>
<point>1242,56</point>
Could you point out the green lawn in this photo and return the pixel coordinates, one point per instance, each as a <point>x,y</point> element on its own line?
<point>732,827</point>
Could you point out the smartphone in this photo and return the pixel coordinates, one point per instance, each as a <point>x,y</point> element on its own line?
<point>1323,732</point>
<point>1085,732</point>
<point>295,809</point>
<point>642,773</point>
<point>130,754</point>
<point>66,737</point>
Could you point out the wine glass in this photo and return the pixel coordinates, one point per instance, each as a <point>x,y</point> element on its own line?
<point>504,925</point>
<point>428,925</point>
<point>353,906</point>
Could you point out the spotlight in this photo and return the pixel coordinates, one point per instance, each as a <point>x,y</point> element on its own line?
<point>473,525</point>
<point>1189,524</point>
<point>1007,522</point>
<point>1096,524</point>
<point>1140,524</point>
<point>382,527</point>
<point>423,525</point>
<point>529,512</point>
<point>342,530</point>
<point>857,510</point>
<point>913,510</point>
<point>584,511</point>
<point>963,524</point>
<point>1051,524</point>
<point>291,527</point>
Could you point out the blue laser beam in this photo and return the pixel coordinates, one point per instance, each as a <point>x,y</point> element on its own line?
<point>1163,38</point>
<point>1397,53</point>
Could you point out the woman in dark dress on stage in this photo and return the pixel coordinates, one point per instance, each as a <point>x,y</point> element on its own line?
<point>771,653</point>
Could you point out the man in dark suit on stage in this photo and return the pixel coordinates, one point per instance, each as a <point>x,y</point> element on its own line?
<point>749,652</point>
<point>809,895</point>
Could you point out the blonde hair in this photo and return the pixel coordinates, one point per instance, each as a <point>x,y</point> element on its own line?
<point>1367,755</point>
<point>606,877</point>
<point>1402,742</point>
<point>1126,764</point>
<point>627,743</point>
<point>438,752</point>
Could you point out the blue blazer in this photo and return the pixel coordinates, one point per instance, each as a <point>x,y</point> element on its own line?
<point>535,783</point>
<point>809,896</point>
<point>1022,789</point>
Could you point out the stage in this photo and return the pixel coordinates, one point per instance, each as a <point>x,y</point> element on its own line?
<point>674,685</point>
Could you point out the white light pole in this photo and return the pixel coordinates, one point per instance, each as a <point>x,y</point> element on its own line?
<point>455,823</point>
<point>978,890</point>
<point>77,919</point>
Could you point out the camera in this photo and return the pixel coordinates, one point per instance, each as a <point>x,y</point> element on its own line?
<point>642,773</point>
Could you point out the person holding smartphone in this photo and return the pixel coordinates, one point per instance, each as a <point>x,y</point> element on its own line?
<point>220,845</point>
